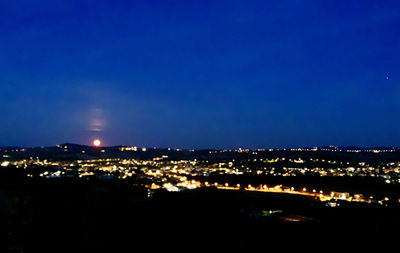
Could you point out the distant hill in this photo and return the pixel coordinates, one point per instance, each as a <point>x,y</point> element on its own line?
<point>71,151</point>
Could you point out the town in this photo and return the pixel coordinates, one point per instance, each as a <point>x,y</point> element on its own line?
<point>290,171</point>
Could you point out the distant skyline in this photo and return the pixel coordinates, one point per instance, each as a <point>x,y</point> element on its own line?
<point>200,74</point>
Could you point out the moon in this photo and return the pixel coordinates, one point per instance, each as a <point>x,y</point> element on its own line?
<point>97,143</point>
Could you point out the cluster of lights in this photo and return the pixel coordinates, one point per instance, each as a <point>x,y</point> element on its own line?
<point>173,175</point>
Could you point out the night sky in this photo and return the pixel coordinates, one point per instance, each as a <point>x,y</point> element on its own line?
<point>200,74</point>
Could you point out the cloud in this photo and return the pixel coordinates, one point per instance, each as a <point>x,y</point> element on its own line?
<point>97,122</point>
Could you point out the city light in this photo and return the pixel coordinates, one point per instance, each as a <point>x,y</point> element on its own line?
<point>5,164</point>
<point>162,172</point>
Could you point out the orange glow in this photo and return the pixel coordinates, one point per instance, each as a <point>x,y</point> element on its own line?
<point>97,143</point>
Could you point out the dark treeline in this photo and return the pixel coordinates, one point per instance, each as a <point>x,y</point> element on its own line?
<point>95,215</point>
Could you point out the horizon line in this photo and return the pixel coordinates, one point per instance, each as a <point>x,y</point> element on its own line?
<point>238,148</point>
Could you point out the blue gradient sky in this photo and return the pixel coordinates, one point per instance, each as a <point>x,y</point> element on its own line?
<point>200,74</point>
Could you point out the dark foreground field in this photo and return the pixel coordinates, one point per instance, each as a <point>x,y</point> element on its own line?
<point>90,216</point>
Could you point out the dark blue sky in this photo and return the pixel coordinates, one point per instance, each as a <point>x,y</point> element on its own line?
<point>199,74</point>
